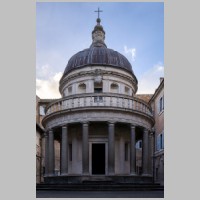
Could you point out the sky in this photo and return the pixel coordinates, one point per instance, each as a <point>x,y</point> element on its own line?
<point>136,30</point>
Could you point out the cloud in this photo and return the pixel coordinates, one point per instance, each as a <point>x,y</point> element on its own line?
<point>148,83</point>
<point>44,72</point>
<point>49,89</point>
<point>131,51</point>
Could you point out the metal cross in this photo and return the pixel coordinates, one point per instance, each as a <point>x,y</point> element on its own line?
<point>98,11</point>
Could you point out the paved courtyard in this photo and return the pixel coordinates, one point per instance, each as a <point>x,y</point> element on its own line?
<point>99,194</point>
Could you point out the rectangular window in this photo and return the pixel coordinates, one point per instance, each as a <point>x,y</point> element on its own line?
<point>158,142</point>
<point>70,152</point>
<point>126,151</point>
<point>161,102</point>
<point>162,140</point>
<point>97,90</point>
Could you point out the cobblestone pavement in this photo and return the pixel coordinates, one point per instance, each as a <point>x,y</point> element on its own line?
<point>99,194</point>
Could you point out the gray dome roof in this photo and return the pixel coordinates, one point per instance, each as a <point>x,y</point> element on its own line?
<point>98,55</point>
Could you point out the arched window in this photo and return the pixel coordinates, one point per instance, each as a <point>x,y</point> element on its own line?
<point>127,90</point>
<point>114,87</point>
<point>82,88</point>
<point>69,90</point>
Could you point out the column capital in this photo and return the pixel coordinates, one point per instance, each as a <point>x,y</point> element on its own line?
<point>146,130</point>
<point>132,126</point>
<point>86,123</point>
<point>111,123</point>
<point>64,126</point>
<point>46,134</point>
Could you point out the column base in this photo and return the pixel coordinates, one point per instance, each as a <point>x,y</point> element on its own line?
<point>111,173</point>
<point>133,174</point>
<point>51,174</point>
<point>64,174</point>
<point>146,174</point>
<point>85,173</point>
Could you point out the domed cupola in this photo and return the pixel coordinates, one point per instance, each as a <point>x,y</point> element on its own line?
<point>98,55</point>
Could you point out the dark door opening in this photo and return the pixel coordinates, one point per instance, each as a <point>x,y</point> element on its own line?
<point>98,158</point>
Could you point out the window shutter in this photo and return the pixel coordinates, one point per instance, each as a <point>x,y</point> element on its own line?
<point>163,103</point>
<point>158,142</point>
<point>163,140</point>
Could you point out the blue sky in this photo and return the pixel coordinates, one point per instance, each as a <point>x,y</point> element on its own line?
<point>136,30</point>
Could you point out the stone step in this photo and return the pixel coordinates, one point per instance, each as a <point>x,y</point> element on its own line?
<point>99,187</point>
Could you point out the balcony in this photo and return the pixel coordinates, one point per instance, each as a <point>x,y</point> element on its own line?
<point>104,100</point>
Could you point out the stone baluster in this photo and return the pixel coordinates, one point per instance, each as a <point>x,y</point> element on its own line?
<point>78,102</point>
<point>91,101</point>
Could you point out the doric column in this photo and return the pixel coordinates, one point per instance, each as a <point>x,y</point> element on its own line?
<point>145,153</point>
<point>85,149</point>
<point>46,154</point>
<point>111,148</point>
<point>132,152</point>
<point>64,151</point>
<point>51,153</point>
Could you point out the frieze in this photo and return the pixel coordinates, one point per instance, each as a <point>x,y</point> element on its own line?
<point>94,73</point>
<point>93,116</point>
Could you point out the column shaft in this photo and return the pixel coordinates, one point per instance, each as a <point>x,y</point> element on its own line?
<point>111,149</point>
<point>132,152</point>
<point>51,153</point>
<point>85,149</point>
<point>64,151</point>
<point>46,154</point>
<point>145,152</point>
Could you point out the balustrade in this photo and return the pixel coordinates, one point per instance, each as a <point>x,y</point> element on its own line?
<point>103,100</point>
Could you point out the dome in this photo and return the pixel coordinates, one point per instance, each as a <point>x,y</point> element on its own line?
<point>98,55</point>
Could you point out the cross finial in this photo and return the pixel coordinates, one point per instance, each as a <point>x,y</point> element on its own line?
<point>98,11</point>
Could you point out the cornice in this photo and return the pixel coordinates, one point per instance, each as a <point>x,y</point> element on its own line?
<point>160,87</point>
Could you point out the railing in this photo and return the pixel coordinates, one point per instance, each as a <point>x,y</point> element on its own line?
<point>99,100</point>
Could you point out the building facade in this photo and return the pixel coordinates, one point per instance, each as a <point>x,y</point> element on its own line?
<point>99,129</point>
<point>157,104</point>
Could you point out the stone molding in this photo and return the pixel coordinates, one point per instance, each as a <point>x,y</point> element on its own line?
<point>106,94</point>
<point>59,119</point>
<point>93,73</point>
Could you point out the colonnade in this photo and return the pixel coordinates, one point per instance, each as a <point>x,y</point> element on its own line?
<point>50,151</point>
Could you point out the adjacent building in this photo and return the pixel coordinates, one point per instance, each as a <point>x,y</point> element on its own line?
<point>157,104</point>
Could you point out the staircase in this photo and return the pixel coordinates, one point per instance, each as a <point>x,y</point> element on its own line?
<point>101,186</point>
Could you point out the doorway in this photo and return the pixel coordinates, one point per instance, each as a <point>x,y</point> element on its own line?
<point>98,158</point>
